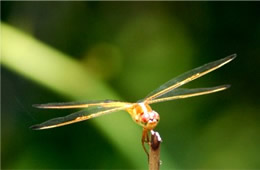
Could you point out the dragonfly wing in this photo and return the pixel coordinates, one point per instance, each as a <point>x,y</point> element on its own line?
<point>181,93</point>
<point>76,117</point>
<point>188,76</point>
<point>71,105</point>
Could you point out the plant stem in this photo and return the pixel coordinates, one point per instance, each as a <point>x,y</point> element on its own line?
<point>154,156</point>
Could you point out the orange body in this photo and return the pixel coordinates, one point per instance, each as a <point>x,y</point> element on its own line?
<point>143,115</point>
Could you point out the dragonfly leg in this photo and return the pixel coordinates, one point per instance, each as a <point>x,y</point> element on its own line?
<point>145,139</point>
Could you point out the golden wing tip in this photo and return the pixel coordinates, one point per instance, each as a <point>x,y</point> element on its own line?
<point>223,87</point>
<point>226,86</point>
<point>40,106</point>
<point>35,127</point>
<point>232,57</point>
<point>39,127</point>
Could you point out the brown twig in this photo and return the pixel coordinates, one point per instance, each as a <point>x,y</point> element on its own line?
<point>154,156</point>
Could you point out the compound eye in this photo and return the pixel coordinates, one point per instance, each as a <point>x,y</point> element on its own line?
<point>156,116</point>
<point>145,118</point>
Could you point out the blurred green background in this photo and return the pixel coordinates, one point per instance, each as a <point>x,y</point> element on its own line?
<point>76,51</point>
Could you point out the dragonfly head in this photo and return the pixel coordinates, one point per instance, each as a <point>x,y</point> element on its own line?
<point>143,115</point>
<point>149,120</point>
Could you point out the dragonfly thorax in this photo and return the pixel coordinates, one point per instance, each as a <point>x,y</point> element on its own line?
<point>143,115</point>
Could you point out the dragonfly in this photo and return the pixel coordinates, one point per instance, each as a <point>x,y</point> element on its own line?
<point>140,111</point>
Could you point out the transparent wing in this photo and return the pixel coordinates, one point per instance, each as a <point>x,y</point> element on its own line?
<point>185,93</point>
<point>187,77</point>
<point>76,117</point>
<point>71,105</point>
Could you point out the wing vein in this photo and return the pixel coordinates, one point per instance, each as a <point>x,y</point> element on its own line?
<point>185,93</point>
<point>188,76</point>
<point>74,117</point>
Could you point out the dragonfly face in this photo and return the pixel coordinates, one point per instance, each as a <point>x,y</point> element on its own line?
<point>143,115</point>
